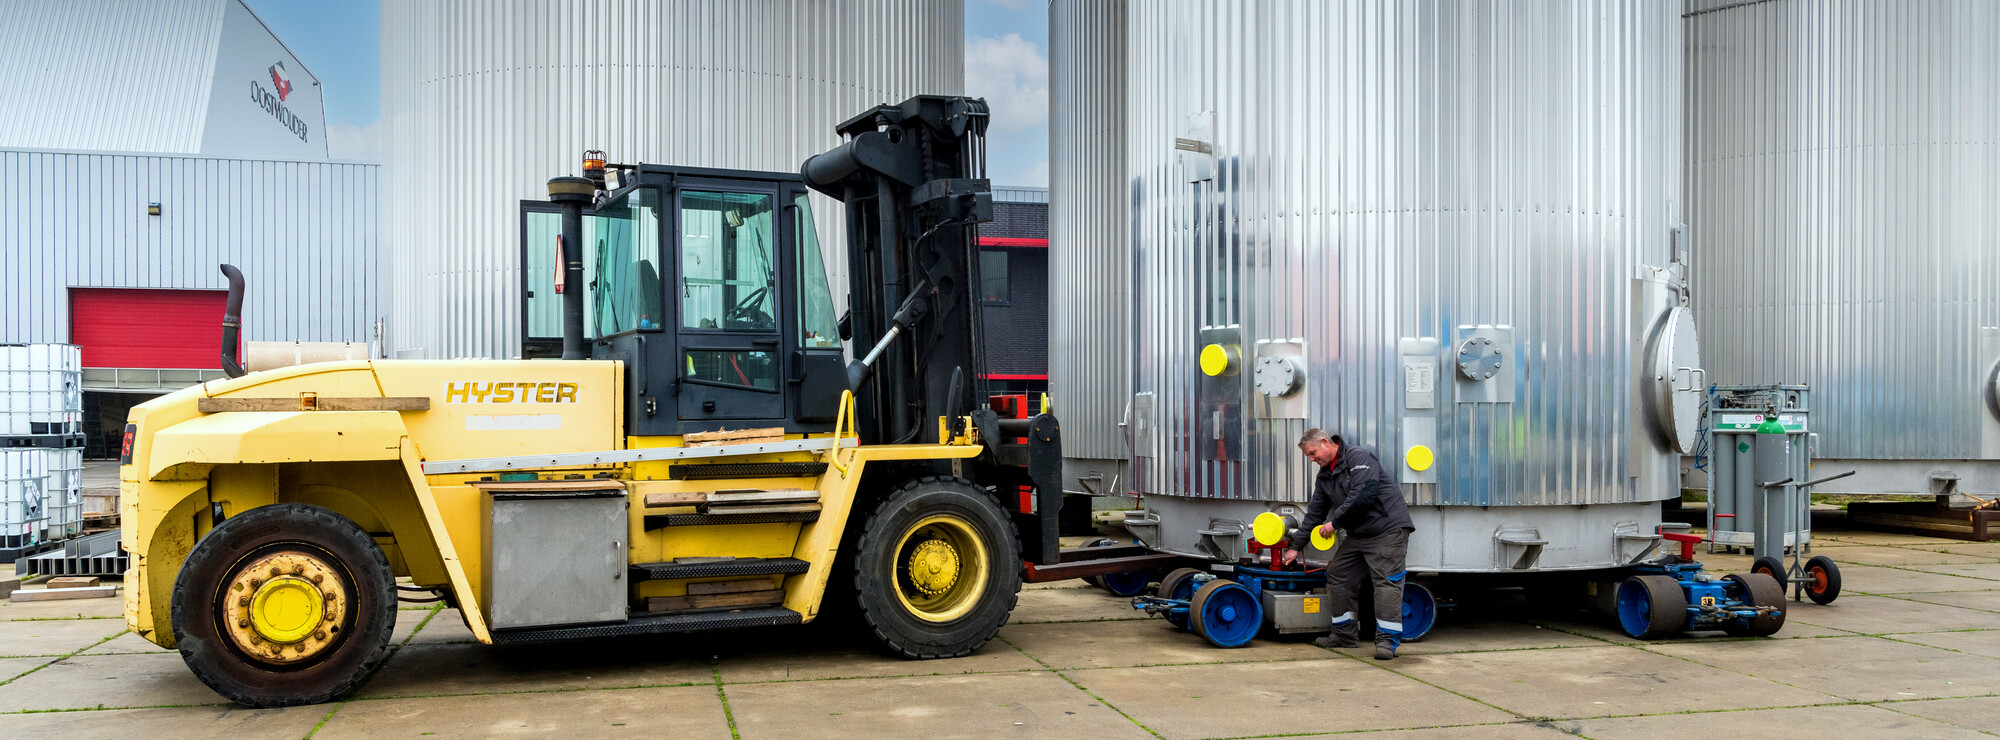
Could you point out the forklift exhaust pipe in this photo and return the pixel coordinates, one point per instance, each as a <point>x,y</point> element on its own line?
<point>232,322</point>
<point>571,193</point>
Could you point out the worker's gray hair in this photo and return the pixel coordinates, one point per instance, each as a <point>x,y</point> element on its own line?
<point>1312,436</point>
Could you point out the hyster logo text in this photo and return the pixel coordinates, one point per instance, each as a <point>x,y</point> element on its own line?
<point>473,391</point>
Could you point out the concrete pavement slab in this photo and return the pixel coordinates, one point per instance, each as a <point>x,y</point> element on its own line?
<point>1509,731</point>
<point>1073,605</point>
<point>1598,681</point>
<point>1985,571</point>
<point>1038,704</point>
<point>1871,579</point>
<point>1865,537</point>
<point>126,643</point>
<point>175,723</point>
<point>1982,714</point>
<point>1604,629</point>
<point>1987,550</point>
<point>1468,635</point>
<point>1071,583</point>
<point>54,637</point>
<point>1855,668</point>
<point>1882,614</point>
<point>1983,642</point>
<point>11,667</point>
<point>428,670</point>
<point>1986,601</point>
<point>108,681</point>
<point>1807,723</point>
<point>1153,642</point>
<point>790,660</point>
<point>76,609</point>
<point>1239,699</point>
<point>447,627</point>
<point>1899,556</point>
<point>683,712</point>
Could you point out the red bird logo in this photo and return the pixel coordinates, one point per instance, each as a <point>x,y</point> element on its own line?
<point>278,81</point>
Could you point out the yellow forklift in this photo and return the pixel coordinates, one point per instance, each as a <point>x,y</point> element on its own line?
<point>693,454</point>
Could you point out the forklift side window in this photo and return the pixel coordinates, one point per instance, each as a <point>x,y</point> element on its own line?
<point>626,247</point>
<point>818,327</point>
<point>749,369</point>
<point>728,275</point>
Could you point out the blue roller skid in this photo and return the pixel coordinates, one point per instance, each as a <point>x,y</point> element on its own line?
<point>1664,598</point>
<point>1228,609</point>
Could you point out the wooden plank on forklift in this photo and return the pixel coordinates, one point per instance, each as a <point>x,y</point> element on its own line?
<point>739,436</point>
<point>730,587</point>
<point>544,486</point>
<point>791,508</point>
<point>742,600</point>
<point>762,496</point>
<point>677,498</point>
<point>393,403</point>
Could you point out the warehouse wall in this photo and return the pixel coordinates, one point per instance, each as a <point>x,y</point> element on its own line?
<point>304,234</point>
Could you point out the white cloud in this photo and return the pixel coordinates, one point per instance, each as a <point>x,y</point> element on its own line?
<point>1013,76</point>
<point>348,141</point>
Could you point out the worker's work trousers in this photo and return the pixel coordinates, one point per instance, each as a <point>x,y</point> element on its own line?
<point>1381,558</point>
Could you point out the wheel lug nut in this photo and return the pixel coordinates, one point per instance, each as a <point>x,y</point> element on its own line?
<point>298,570</point>
<point>275,572</point>
<point>243,623</point>
<point>317,578</point>
<point>245,601</point>
<point>255,582</point>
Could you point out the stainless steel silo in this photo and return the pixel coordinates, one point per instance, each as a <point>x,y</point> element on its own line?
<point>1844,159</point>
<point>484,101</point>
<point>1441,230</point>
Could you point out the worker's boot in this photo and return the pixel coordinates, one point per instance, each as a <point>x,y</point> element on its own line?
<point>1343,636</point>
<point>1386,643</point>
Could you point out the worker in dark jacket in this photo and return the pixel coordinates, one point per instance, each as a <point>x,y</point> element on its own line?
<point>1354,493</point>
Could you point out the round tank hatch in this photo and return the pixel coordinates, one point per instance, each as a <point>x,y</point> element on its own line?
<point>1479,358</point>
<point>1993,391</point>
<point>1217,360</point>
<point>1673,389</point>
<point>1277,376</point>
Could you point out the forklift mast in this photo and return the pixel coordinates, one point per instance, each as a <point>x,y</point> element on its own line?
<point>912,177</point>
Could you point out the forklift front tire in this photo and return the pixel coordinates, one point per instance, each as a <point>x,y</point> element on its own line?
<point>284,605</point>
<point>937,570</point>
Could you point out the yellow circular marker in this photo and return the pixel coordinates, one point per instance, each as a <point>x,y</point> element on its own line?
<point>1268,528</point>
<point>1419,458</point>
<point>1325,542</point>
<point>1215,360</point>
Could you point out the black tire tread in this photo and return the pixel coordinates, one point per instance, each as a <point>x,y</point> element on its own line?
<point>1760,589</point>
<point>1832,580</point>
<point>863,582</point>
<point>185,590</point>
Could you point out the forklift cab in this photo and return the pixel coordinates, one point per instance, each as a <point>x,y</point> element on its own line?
<point>710,286</point>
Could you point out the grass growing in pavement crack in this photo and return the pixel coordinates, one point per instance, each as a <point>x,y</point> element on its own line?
<point>1079,687</point>
<point>716,671</point>
<point>323,720</point>
<point>121,633</point>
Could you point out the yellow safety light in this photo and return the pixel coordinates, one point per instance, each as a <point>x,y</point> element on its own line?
<point>1419,458</point>
<point>1216,360</point>
<point>1268,528</point>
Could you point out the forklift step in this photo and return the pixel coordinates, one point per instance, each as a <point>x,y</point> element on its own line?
<point>746,470</point>
<point>657,521</point>
<point>718,568</point>
<point>643,623</point>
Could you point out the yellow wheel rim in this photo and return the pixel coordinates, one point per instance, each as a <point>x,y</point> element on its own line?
<point>284,607</point>
<point>941,568</point>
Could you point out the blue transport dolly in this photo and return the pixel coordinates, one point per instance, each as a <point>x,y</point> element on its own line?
<point>1228,608</point>
<point>1663,598</point>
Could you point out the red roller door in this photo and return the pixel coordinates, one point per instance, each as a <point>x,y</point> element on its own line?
<point>166,329</point>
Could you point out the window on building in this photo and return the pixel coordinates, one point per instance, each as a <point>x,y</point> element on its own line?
<point>993,283</point>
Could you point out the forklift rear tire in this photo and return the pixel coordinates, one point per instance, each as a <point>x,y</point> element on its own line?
<point>1759,589</point>
<point>1772,567</point>
<point>937,570</point>
<point>284,605</point>
<point>1822,580</point>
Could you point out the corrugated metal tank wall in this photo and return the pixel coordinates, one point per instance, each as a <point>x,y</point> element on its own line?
<point>1844,169</point>
<point>108,75</point>
<point>1389,170</point>
<point>304,234</point>
<point>1089,240</point>
<point>484,101</point>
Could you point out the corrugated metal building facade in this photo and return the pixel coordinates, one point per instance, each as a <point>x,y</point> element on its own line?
<point>1844,163</point>
<point>483,102</point>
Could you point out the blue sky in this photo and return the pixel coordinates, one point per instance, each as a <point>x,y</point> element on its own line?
<point>1006,61</point>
